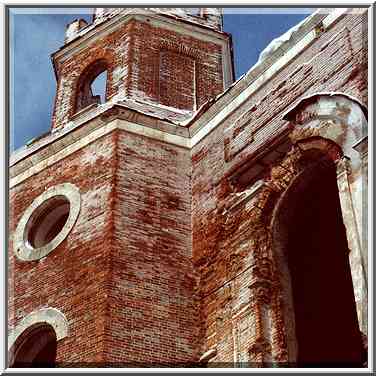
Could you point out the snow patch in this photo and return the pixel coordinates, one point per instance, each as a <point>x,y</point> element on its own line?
<point>277,42</point>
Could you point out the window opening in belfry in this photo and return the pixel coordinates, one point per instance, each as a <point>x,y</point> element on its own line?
<point>92,84</point>
<point>98,87</point>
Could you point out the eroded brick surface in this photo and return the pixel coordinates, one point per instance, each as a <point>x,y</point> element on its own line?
<point>152,292</point>
<point>224,243</point>
<point>72,278</point>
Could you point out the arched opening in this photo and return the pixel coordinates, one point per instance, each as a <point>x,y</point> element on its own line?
<point>91,87</point>
<point>36,347</point>
<point>309,232</point>
<point>98,86</point>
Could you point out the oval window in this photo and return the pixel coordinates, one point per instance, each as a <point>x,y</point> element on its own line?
<point>47,221</point>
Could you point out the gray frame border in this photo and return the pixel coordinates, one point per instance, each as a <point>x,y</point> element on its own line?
<point>6,133</point>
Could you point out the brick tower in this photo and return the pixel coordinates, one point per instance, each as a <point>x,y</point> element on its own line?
<point>100,263</point>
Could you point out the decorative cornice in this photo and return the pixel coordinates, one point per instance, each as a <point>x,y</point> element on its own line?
<point>91,35</point>
<point>41,160</point>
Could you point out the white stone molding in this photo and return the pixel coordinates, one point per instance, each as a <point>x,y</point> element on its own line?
<point>51,316</point>
<point>361,147</point>
<point>355,254</point>
<point>208,355</point>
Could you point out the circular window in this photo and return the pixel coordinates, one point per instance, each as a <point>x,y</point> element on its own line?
<point>47,222</point>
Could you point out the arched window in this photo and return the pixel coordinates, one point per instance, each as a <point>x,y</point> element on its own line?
<point>91,86</point>
<point>35,347</point>
<point>311,244</point>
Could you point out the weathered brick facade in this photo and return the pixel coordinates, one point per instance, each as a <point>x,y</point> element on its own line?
<point>184,250</point>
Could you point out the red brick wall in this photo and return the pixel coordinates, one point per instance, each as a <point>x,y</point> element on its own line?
<point>152,300</point>
<point>223,258</point>
<point>124,276</point>
<point>177,80</point>
<point>147,79</point>
<point>73,277</point>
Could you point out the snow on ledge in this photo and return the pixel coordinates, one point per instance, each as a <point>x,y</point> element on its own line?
<point>277,42</point>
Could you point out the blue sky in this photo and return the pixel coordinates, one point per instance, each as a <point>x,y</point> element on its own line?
<point>36,33</point>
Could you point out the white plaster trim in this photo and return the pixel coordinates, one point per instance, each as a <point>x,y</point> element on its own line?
<point>242,312</point>
<point>51,316</point>
<point>208,355</point>
<point>58,133</point>
<point>196,30</point>
<point>248,194</point>
<point>323,94</point>
<point>152,133</point>
<point>333,16</point>
<point>361,146</point>
<point>91,116</point>
<point>22,248</point>
<point>80,143</point>
<point>227,71</point>
<point>97,133</point>
<point>353,238</point>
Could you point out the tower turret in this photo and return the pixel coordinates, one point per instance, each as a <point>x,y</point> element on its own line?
<point>177,58</point>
